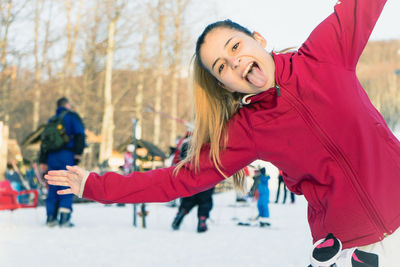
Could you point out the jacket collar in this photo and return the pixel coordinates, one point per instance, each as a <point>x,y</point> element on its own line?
<point>60,110</point>
<point>252,98</point>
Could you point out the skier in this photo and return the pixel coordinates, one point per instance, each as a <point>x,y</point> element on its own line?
<point>59,207</point>
<point>278,190</point>
<point>262,196</point>
<point>203,200</point>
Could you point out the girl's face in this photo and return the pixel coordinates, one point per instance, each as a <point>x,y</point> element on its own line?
<point>238,61</point>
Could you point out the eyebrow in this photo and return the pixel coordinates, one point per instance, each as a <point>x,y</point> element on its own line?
<point>215,62</point>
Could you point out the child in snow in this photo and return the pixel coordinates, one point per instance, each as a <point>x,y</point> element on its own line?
<point>261,194</point>
<point>263,198</point>
<point>295,110</point>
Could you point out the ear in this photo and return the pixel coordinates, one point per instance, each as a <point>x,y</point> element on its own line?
<point>259,38</point>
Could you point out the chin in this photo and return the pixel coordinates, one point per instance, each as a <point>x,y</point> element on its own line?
<point>261,89</point>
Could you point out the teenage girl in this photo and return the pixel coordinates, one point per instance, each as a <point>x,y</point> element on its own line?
<point>305,112</point>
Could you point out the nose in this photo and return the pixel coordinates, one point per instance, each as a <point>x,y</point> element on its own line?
<point>234,62</point>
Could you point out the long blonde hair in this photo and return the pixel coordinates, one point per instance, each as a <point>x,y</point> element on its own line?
<point>214,107</point>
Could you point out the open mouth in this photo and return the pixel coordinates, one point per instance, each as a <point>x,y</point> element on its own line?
<point>254,75</point>
<point>248,70</point>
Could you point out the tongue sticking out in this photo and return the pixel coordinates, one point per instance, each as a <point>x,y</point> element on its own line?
<point>256,77</point>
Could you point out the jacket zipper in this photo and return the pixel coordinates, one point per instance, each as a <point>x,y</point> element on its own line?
<point>307,116</point>
<point>278,90</point>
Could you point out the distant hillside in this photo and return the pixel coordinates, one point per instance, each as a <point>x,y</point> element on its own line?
<point>379,72</point>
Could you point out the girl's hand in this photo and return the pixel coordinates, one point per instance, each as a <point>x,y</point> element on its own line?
<point>72,177</point>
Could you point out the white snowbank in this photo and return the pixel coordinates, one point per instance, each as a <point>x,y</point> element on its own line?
<point>104,236</point>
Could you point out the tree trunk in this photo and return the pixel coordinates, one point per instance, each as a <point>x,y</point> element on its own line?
<point>91,90</point>
<point>159,72</point>
<point>139,94</point>
<point>107,130</point>
<point>39,64</point>
<point>72,35</point>
<point>5,70</point>
<point>36,87</point>
<point>175,71</point>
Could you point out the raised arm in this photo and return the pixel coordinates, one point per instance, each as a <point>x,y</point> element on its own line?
<point>341,38</point>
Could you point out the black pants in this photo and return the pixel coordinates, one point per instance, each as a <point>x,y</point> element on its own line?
<point>281,182</point>
<point>203,200</point>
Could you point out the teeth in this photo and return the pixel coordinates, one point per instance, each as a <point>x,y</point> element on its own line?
<point>246,71</point>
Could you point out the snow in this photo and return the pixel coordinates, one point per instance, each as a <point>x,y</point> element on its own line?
<point>105,236</point>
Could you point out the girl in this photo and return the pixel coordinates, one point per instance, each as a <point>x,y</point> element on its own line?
<point>306,113</point>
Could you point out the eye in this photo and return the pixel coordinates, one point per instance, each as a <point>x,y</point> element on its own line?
<point>235,47</point>
<point>221,67</point>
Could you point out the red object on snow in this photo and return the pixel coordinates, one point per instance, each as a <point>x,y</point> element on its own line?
<point>9,197</point>
<point>246,171</point>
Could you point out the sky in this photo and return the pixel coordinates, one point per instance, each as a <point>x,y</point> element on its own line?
<point>287,23</point>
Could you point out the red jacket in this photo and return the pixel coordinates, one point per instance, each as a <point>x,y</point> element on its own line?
<point>332,145</point>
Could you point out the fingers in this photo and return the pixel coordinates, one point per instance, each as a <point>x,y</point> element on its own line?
<point>57,176</point>
<point>62,179</point>
<point>60,172</point>
<point>62,183</point>
<point>81,173</point>
<point>63,173</point>
<point>72,168</point>
<point>65,191</point>
<point>75,169</point>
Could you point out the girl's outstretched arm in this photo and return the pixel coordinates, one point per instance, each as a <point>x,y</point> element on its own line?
<point>72,177</point>
<point>161,185</point>
<point>341,38</point>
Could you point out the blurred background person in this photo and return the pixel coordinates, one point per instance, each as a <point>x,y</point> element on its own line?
<point>57,159</point>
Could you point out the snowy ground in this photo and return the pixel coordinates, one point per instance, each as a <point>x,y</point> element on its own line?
<point>104,236</point>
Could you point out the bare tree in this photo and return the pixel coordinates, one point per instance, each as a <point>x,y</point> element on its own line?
<point>95,69</point>
<point>6,19</point>
<point>9,11</point>
<point>39,63</point>
<point>159,69</point>
<point>36,87</point>
<point>140,86</point>
<point>93,52</point>
<point>72,36</point>
<point>179,9</point>
<point>107,131</point>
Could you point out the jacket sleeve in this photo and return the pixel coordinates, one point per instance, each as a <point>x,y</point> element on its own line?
<point>79,144</point>
<point>341,38</point>
<point>162,185</point>
<point>76,129</point>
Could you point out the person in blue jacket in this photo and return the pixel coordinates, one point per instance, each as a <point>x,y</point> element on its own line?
<point>263,199</point>
<point>69,154</point>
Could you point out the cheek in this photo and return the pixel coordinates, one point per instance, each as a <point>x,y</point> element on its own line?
<point>230,79</point>
<point>228,83</point>
<point>230,86</point>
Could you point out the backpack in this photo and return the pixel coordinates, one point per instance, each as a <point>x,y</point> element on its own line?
<point>54,136</point>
